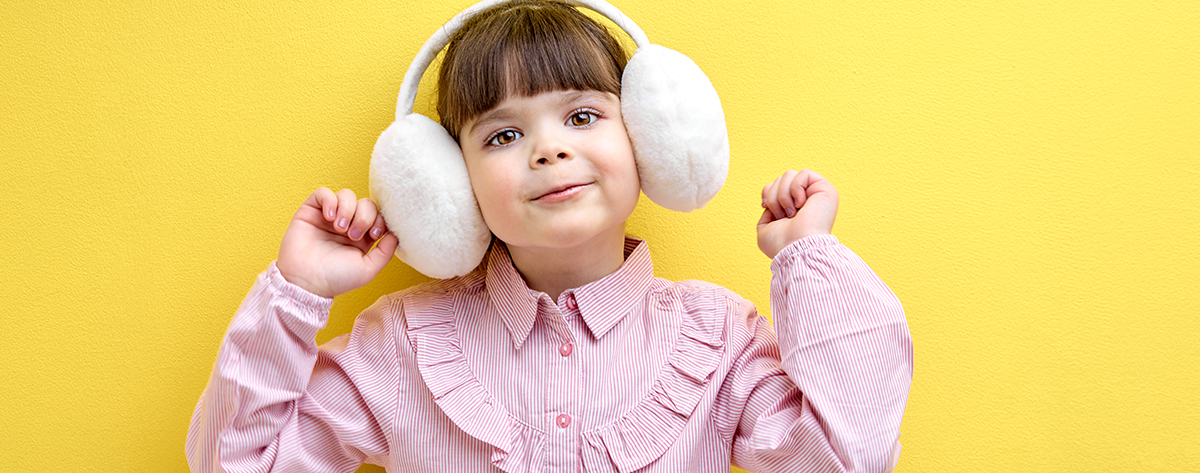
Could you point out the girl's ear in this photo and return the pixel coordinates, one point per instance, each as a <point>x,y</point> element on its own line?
<point>681,146</point>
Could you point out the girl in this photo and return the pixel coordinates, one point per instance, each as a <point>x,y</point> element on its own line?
<point>562,352</point>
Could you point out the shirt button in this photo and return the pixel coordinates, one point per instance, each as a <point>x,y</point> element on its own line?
<point>571,303</point>
<point>563,421</point>
<point>566,349</point>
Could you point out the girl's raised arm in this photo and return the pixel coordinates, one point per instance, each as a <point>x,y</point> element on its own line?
<point>277,402</point>
<point>828,394</point>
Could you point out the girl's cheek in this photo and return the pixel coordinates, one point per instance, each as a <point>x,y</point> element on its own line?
<point>495,190</point>
<point>499,182</point>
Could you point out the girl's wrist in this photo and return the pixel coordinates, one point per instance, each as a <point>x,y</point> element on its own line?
<point>298,282</point>
<point>297,292</point>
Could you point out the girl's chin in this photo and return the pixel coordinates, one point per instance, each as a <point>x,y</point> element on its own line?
<point>561,235</point>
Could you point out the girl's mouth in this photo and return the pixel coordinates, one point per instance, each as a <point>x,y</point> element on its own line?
<point>562,193</point>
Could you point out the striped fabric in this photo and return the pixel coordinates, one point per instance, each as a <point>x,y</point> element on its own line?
<point>627,373</point>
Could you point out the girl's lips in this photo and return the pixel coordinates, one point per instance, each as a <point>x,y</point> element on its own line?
<point>561,195</point>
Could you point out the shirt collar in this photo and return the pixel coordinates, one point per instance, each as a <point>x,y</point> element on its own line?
<point>602,303</point>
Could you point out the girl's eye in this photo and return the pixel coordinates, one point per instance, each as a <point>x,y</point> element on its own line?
<point>504,137</point>
<point>582,118</point>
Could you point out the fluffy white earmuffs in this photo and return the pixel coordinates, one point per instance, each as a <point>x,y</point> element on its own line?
<point>671,112</point>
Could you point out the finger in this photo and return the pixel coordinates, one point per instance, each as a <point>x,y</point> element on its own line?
<point>765,218</point>
<point>821,196</point>
<point>379,256</point>
<point>798,190</point>
<point>364,217</point>
<point>786,201</point>
<point>776,191</point>
<point>378,228</point>
<point>345,213</point>
<point>810,183</point>
<point>326,202</point>
<point>773,200</point>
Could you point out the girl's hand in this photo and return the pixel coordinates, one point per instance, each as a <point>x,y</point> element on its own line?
<point>325,248</point>
<point>796,205</point>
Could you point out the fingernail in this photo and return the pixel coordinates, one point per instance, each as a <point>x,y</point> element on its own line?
<point>329,213</point>
<point>374,233</point>
<point>790,212</point>
<point>778,216</point>
<point>354,234</point>
<point>342,223</point>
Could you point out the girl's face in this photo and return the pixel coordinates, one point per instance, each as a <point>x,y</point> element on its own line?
<point>554,170</point>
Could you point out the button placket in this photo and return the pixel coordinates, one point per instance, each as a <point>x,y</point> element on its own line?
<point>566,348</point>
<point>563,373</point>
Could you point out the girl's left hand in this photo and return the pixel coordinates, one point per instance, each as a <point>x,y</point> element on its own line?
<point>796,205</point>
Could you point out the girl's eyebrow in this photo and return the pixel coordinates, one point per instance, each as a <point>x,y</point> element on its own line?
<point>576,95</point>
<point>493,115</point>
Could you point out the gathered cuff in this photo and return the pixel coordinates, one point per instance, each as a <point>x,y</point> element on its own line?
<point>646,432</point>
<point>802,245</point>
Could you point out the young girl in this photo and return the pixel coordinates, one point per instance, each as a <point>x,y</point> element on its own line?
<point>562,352</point>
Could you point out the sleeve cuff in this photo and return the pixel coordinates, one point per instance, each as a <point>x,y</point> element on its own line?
<point>822,240</point>
<point>296,293</point>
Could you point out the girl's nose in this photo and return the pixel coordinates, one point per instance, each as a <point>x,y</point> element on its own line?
<point>551,150</point>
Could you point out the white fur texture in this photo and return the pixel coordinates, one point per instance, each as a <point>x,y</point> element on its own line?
<point>675,122</point>
<point>419,180</point>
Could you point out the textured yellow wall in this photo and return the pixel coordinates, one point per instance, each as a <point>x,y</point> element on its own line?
<point>1023,174</point>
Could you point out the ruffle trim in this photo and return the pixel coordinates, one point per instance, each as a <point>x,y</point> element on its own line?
<point>517,447</point>
<point>639,437</point>
<point>646,432</point>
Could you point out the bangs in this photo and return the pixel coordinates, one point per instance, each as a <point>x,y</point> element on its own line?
<point>524,49</point>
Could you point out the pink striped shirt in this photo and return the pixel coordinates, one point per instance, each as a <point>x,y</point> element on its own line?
<point>627,373</point>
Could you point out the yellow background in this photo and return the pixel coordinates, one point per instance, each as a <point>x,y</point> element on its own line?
<point>1022,174</point>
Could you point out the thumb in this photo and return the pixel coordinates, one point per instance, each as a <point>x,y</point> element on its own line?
<point>382,254</point>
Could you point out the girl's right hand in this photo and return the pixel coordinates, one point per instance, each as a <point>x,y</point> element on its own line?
<point>327,247</point>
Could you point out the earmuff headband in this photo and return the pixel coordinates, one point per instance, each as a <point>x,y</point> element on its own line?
<point>419,179</point>
<point>435,43</point>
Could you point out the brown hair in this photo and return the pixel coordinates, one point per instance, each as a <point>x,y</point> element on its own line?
<point>524,48</point>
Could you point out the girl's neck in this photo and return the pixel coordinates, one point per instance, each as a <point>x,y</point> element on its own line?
<point>554,270</point>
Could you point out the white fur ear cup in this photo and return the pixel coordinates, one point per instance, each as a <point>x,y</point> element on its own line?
<point>677,128</point>
<point>419,180</point>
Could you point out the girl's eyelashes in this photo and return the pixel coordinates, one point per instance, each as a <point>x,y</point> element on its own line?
<point>583,117</point>
<point>579,118</point>
<point>503,137</point>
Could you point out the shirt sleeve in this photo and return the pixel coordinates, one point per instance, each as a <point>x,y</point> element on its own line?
<point>277,402</point>
<point>829,395</point>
